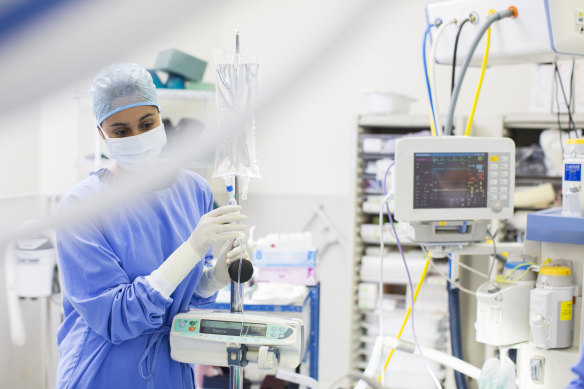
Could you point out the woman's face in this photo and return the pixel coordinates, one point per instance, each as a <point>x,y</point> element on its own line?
<point>131,122</point>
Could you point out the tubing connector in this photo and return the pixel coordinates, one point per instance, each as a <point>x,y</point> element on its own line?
<point>514,11</point>
<point>473,17</point>
<point>438,22</point>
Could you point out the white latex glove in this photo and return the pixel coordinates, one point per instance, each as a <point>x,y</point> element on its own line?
<point>217,226</point>
<point>217,277</point>
<point>231,251</point>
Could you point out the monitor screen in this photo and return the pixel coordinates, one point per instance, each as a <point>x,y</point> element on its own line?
<point>232,328</point>
<point>450,180</point>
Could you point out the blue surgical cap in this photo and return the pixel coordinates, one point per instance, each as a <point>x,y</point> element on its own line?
<point>121,86</point>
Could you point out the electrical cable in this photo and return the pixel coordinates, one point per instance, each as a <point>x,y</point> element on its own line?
<point>572,90</point>
<point>448,279</point>
<point>557,100</point>
<point>506,280</point>
<point>471,269</point>
<point>455,52</point>
<point>433,123</point>
<point>494,256</point>
<point>410,284</point>
<point>380,296</point>
<point>490,20</point>
<point>403,326</point>
<point>572,125</point>
<point>432,73</point>
<point>483,68</point>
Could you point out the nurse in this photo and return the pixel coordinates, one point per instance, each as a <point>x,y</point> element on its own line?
<point>126,274</point>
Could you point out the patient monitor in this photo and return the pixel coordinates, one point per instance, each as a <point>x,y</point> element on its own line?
<point>449,188</point>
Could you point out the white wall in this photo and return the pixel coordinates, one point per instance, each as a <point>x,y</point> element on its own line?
<point>19,149</point>
<point>305,136</point>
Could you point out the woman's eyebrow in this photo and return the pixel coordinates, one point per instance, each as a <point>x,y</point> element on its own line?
<point>119,124</point>
<point>122,124</point>
<point>145,116</point>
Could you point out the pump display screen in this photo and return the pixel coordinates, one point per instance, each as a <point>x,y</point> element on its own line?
<point>232,328</point>
<point>450,180</point>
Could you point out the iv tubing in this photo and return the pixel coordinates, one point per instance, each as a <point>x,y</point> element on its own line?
<point>476,99</point>
<point>403,326</point>
<point>492,19</point>
<point>433,124</point>
<point>432,72</point>
<point>397,241</point>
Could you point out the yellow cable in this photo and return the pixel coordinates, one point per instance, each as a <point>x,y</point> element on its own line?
<point>432,128</point>
<point>483,67</point>
<point>422,277</point>
<point>505,279</point>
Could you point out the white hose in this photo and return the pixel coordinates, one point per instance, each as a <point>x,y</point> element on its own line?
<point>373,364</point>
<point>437,356</point>
<point>432,75</point>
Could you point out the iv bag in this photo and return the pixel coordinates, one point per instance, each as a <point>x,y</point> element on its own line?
<point>237,88</point>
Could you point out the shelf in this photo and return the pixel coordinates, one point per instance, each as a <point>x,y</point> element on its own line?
<point>409,123</point>
<point>550,226</point>
<point>372,156</point>
<point>185,93</point>
<point>539,121</point>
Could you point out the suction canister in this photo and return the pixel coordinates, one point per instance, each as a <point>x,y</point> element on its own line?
<point>503,306</point>
<point>551,308</point>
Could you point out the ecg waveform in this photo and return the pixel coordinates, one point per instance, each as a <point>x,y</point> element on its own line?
<point>450,180</point>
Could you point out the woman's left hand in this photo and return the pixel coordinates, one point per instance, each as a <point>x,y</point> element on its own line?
<point>231,251</point>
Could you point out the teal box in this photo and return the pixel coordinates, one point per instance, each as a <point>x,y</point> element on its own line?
<point>174,61</point>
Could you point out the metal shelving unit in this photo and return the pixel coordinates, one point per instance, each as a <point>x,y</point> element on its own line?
<point>525,130</point>
<point>371,127</point>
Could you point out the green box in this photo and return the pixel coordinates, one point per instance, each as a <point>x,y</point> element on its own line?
<point>182,64</point>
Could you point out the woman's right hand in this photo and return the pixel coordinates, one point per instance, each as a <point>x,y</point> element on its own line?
<point>217,226</point>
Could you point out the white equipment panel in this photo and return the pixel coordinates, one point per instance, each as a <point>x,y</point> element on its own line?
<point>454,178</point>
<point>544,30</point>
<point>203,337</point>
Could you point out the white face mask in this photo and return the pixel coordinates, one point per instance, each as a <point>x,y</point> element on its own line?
<point>139,152</point>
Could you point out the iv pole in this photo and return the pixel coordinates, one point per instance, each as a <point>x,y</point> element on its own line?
<point>236,371</point>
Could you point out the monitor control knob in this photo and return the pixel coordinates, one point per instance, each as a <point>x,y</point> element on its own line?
<point>497,206</point>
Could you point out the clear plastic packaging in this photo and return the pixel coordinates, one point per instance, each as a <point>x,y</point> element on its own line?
<point>573,178</point>
<point>237,91</point>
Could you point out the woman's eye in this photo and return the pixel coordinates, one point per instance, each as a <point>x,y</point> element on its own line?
<point>121,133</point>
<point>147,126</point>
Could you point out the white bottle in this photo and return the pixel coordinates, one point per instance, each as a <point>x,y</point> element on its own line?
<point>573,178</point>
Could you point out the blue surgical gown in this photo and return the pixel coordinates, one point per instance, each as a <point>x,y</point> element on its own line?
<point>115,330</point>
<point>578,369</point>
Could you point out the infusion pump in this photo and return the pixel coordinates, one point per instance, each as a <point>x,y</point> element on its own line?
<point>234,339</point>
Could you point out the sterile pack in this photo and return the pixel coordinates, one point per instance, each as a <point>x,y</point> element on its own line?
<point>290,250</point>
<point>237,91</point>
<point>290,275</point>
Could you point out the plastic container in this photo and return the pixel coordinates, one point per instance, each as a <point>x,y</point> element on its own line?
<point>573,179</point>
<point>387,102</point>
<point>551,315</point>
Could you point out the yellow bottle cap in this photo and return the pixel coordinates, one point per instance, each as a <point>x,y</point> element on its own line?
<point>555,270</point>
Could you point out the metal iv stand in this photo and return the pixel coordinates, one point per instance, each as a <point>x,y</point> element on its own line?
<point>236,369</point>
